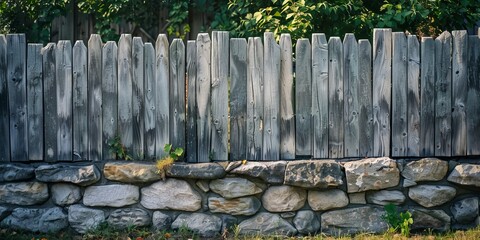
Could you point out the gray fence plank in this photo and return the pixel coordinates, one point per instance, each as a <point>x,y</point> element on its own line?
<point>50,102</point>
<point>287,119</point>
<point>303,99</point>
<point>382,82</point>
<point>177,93</point>
<point>125,92</point>
<point>413,96</point>
<point>203,59</point>
<point>138,128</point>
<point>427,94</point>
<point>95,98</point>
<point>365,114</point>
<point>238,99</point>
<point>150,98</point>
<point>443,95</point>
<point>335,98</point>
<point>64,100</point>
<point>271,93</point>
<point>4,112</point>
<point>191,128</point>
<point>350,91</point>
<point>35,102</point>
<point>17,93</point>
<point>320,95</point>
<point>80,111</point>
<point>399,95</point>
<point>162,90</point>
<point>459,88</point>
<point>110,97</point>
<point>473,96</point>
<point>255,99</point>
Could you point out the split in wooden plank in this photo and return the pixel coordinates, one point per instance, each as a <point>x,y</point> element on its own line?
<point>149,101</point>
<point>365,115</point>
<point>287,115</point>
<point>162,94</point>
<point>191,128</point>
<point>138,104</point>
<point>80,103</point>
<point>203,59</point>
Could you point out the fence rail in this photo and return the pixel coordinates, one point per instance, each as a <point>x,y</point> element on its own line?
<point>222,98</point>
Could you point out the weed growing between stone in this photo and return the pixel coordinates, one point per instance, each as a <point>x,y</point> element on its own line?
<point>164,164</point>
<point>116,147</point>
<point>398,221</point>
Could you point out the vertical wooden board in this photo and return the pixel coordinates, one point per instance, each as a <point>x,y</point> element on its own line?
<point>443,95</point>
<point>35,102</point>
<point>162,94</point>
<point>4,113</point>
<point>473,96</point>
<point>399,95</point>
<point>459,90</point>
<point>191,128</point>
<point>110,97</point>
<point>320,95</point>
<point>303,98</point>
<point>238,99</point>
<point>350,94</point>
<point>382,83</point>
<point>287,119</point>
<point>177,93</point>
<point>49,102</point>
<point>125,92</point>
<point>149,101</point>
<point>203,59</point>
<point>413,96</point>
<point>17,93</point>
<point>80,111</point>
<point>335,98</point>
<point>95,98</point>
<point>255,99</point>
<point>64,100</point>
<point>271,93</point>
<point>219,98</point>
<point>427,96</point>
<point>365,114</point>
<point>137,99</point>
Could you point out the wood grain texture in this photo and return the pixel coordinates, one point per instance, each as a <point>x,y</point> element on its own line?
<point>413,96</point>
<point>149,101</point>
<point>4,112</point>
<point>50,102</point>
<point>219,95</point>
<point>64,100</point>
<point>110,97</point>
<point>365,115</point>
<point>303,98</point>
<point>162,91</point>
<point>271,93</point>
<point>191,128</point>
<point>427,94</point>
<point>350,92</point>
<point>287,117</point>
<point>203,59</point>
<point>138,104</point>
<point>320,95</point>
<point>35,102</point>
<point>80,103</point>
<point>177,93</point>
<point>125,92</point>
<point>335,98</point>
<point>95,131</point>
<point>255,99</point>
<point>473,96</point>
<point>399,95</point>
<point>238,99</point>
<point>459,90</point>
<point>382,92</point>
<point>17,96</point>
<point>443,95</point>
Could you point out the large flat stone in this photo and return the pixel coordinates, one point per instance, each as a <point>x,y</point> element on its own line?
<point>65,194</point>
<point>425,169</point>
<point>371,174</point>
<point>129,172</point>
<point>196,171</point>
<point>171,194</point>
<point>237,206</point>
<point>424,219</point>
<point>266,224</point>
<point>114,195</point>
<point>384,197</point>
<point>16,172</point>
<point>234,187</point>
<point>353,220</point>
<point>328,199</point>
<point>127,217</point>
<point>466,210</point>
<point>84,219</point>
<point>36,220</point>
<point>431,195</point>
<point>306,222</point>
<point>203,224</point>
<point>81,175</point>
<point>466,174</point>
<point>270,172</point>
<point>284,198</point>
<point>313,174</point>
<point>23,193</point>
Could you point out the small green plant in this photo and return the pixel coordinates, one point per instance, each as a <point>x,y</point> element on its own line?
<point>164,164</point>
<point>117,148</point>
<point>398,221</point>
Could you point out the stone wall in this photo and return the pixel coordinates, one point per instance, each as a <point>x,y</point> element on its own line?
<point>297,197</point>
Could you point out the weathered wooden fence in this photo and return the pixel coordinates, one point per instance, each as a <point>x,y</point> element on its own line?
<point>222,98</point>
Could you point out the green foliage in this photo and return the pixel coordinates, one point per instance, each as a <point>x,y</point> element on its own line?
<point>173,153</point>
<point>116,147</point>
<point>164,164</point>
<point>398,221</point>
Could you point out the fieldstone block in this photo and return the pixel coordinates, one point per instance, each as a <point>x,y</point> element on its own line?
<point>234,187</point>
<point>266,224</point>
<point>123,218</point>
<point>114,195</point>
<point>161,221</point>
<point>328,199</point>
<point>385,197</point>
<point>237,206</point>
<point>425,169</point>
<point>424,219</point>
<point>431,196</point>
<point>270,172</point>
<point>357,198</point>
<point>284,198</point>
<point>81,175</point>
<point>24,193</point>
<point>16,172</point>
<point>43,220</point>
<point>465,210</point>
<point>171,194</point>
<point>83,219</point>
<point>65,194</point>
<point>353,220</point>
<point>196,171</point>
<point>466,174</point>
<point>4,212</point>
<point>203,224</point>
<point>313,174</point>
<point>131,172</point>
<point>371,174</point>
<point>306,222</point>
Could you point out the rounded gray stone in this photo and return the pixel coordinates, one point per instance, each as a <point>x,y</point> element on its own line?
<point>234,187</point>
<point>371,174</point>
<point>24,193</point>
<point>431,195</point>
<point>236,206</point>
<point>425,169</point>
<point>306,222</point>
<point>353,220</point>
<point>65,194</point>
<point>313,174</point>
<point>127,217</point>
<point>284,198</point>
<point>270,172</point>
<point>465,210</point>
<point>328,199</point>
<point>45,220</point>
<point>161,221</point>
<point>385,197</point>
<point>16,172</point>
<point>266,224</point>
<point>204,224</point>
<point>171,194</point>
<point>114,195</point>
<point>466,174</point>
<point>81,175</point>
<point>84,219</point>
<point>425,219</point>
